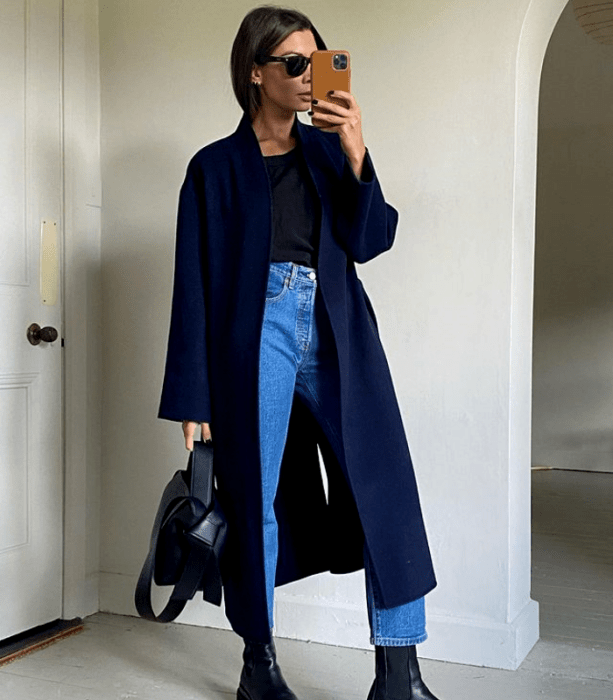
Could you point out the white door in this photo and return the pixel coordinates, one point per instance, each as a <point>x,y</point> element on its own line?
<point>30,375</point>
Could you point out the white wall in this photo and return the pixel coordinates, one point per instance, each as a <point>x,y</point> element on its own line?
<point>573,300</point>
<point>451,130</point>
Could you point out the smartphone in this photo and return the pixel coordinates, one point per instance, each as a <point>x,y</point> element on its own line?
<point>330,70</point>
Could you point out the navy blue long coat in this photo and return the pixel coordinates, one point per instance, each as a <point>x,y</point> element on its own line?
<point>222,257</point>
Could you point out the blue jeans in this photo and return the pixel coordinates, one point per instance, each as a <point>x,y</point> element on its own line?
<point>296,356</point>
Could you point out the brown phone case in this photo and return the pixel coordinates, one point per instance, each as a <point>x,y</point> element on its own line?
<point>325,76</point>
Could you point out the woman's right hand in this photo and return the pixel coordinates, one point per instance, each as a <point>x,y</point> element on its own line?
<point>189,428</point>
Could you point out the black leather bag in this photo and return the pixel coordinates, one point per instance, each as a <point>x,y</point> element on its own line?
<point>187,540</point>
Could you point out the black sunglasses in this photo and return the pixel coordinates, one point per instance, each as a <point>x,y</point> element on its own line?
<point>294,65</point>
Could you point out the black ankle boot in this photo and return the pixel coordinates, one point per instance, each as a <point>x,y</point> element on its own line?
<point>261,677</point>
<point>397,675</point>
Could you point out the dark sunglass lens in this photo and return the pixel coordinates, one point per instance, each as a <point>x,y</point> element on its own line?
<point>297,65</point>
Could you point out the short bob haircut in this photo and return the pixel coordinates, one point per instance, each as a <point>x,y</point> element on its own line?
<point>262,29</point>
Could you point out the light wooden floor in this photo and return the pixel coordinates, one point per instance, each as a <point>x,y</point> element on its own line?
<point>572,556</point>
<point>119,658</point>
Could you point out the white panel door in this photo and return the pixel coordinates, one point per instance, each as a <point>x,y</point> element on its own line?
<point>30,292</point>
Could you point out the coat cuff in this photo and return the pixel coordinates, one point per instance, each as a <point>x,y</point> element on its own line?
<point>368,172</point>
<point>365,224</point>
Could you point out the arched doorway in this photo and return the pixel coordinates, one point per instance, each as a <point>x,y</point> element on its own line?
<point>572,439</point>
<point>539,24</point>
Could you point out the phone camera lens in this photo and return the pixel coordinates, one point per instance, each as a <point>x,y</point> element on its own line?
<point>340,61</point>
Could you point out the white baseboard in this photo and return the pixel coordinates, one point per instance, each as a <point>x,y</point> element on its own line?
<point>482,642</point>
<point>323,621</point>
<point>91,602</point>
<point>117,596</point>
<point>458,640</point>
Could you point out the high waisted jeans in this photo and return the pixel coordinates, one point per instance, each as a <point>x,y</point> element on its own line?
<point>296,355</point>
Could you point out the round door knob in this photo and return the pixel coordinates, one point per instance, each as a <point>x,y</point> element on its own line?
<point>36,334</point>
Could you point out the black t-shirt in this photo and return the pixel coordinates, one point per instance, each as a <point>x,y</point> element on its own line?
<point>296,209</point>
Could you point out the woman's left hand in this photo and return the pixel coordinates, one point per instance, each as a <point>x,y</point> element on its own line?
<point>345,121</point>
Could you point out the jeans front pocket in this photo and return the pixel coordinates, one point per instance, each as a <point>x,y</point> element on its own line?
<point>277,286</point>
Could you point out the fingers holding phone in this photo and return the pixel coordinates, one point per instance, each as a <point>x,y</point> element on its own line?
<point>334,108</point>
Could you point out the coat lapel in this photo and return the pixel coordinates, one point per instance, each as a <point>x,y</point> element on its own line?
<point>320,162</point>
<point>247,144</point>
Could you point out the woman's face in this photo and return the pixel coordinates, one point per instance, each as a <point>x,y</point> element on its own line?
<point>277,88</point>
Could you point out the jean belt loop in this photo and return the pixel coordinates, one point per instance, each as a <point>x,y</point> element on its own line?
<point>294,272</point>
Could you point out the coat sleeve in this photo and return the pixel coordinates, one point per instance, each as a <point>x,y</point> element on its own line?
<point>185,390</point>
<point>364,223</point>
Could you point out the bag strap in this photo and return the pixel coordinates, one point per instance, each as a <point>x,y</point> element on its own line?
<point>201,564</point>
<point>200,471</point>
<point>142,596</point>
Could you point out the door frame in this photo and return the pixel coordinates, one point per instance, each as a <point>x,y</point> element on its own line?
<point>82,309</point>
<point>539,23</point>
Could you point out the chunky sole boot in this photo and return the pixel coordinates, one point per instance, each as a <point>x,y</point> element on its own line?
<point>397,675</point>
<point>261,677</point>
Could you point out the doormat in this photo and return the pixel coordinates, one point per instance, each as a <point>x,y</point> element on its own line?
<point>38,638</point>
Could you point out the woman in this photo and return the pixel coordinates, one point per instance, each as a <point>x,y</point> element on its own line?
<point>274,350</point>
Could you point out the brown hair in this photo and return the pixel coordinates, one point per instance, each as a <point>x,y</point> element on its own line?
<point>261,30</point>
